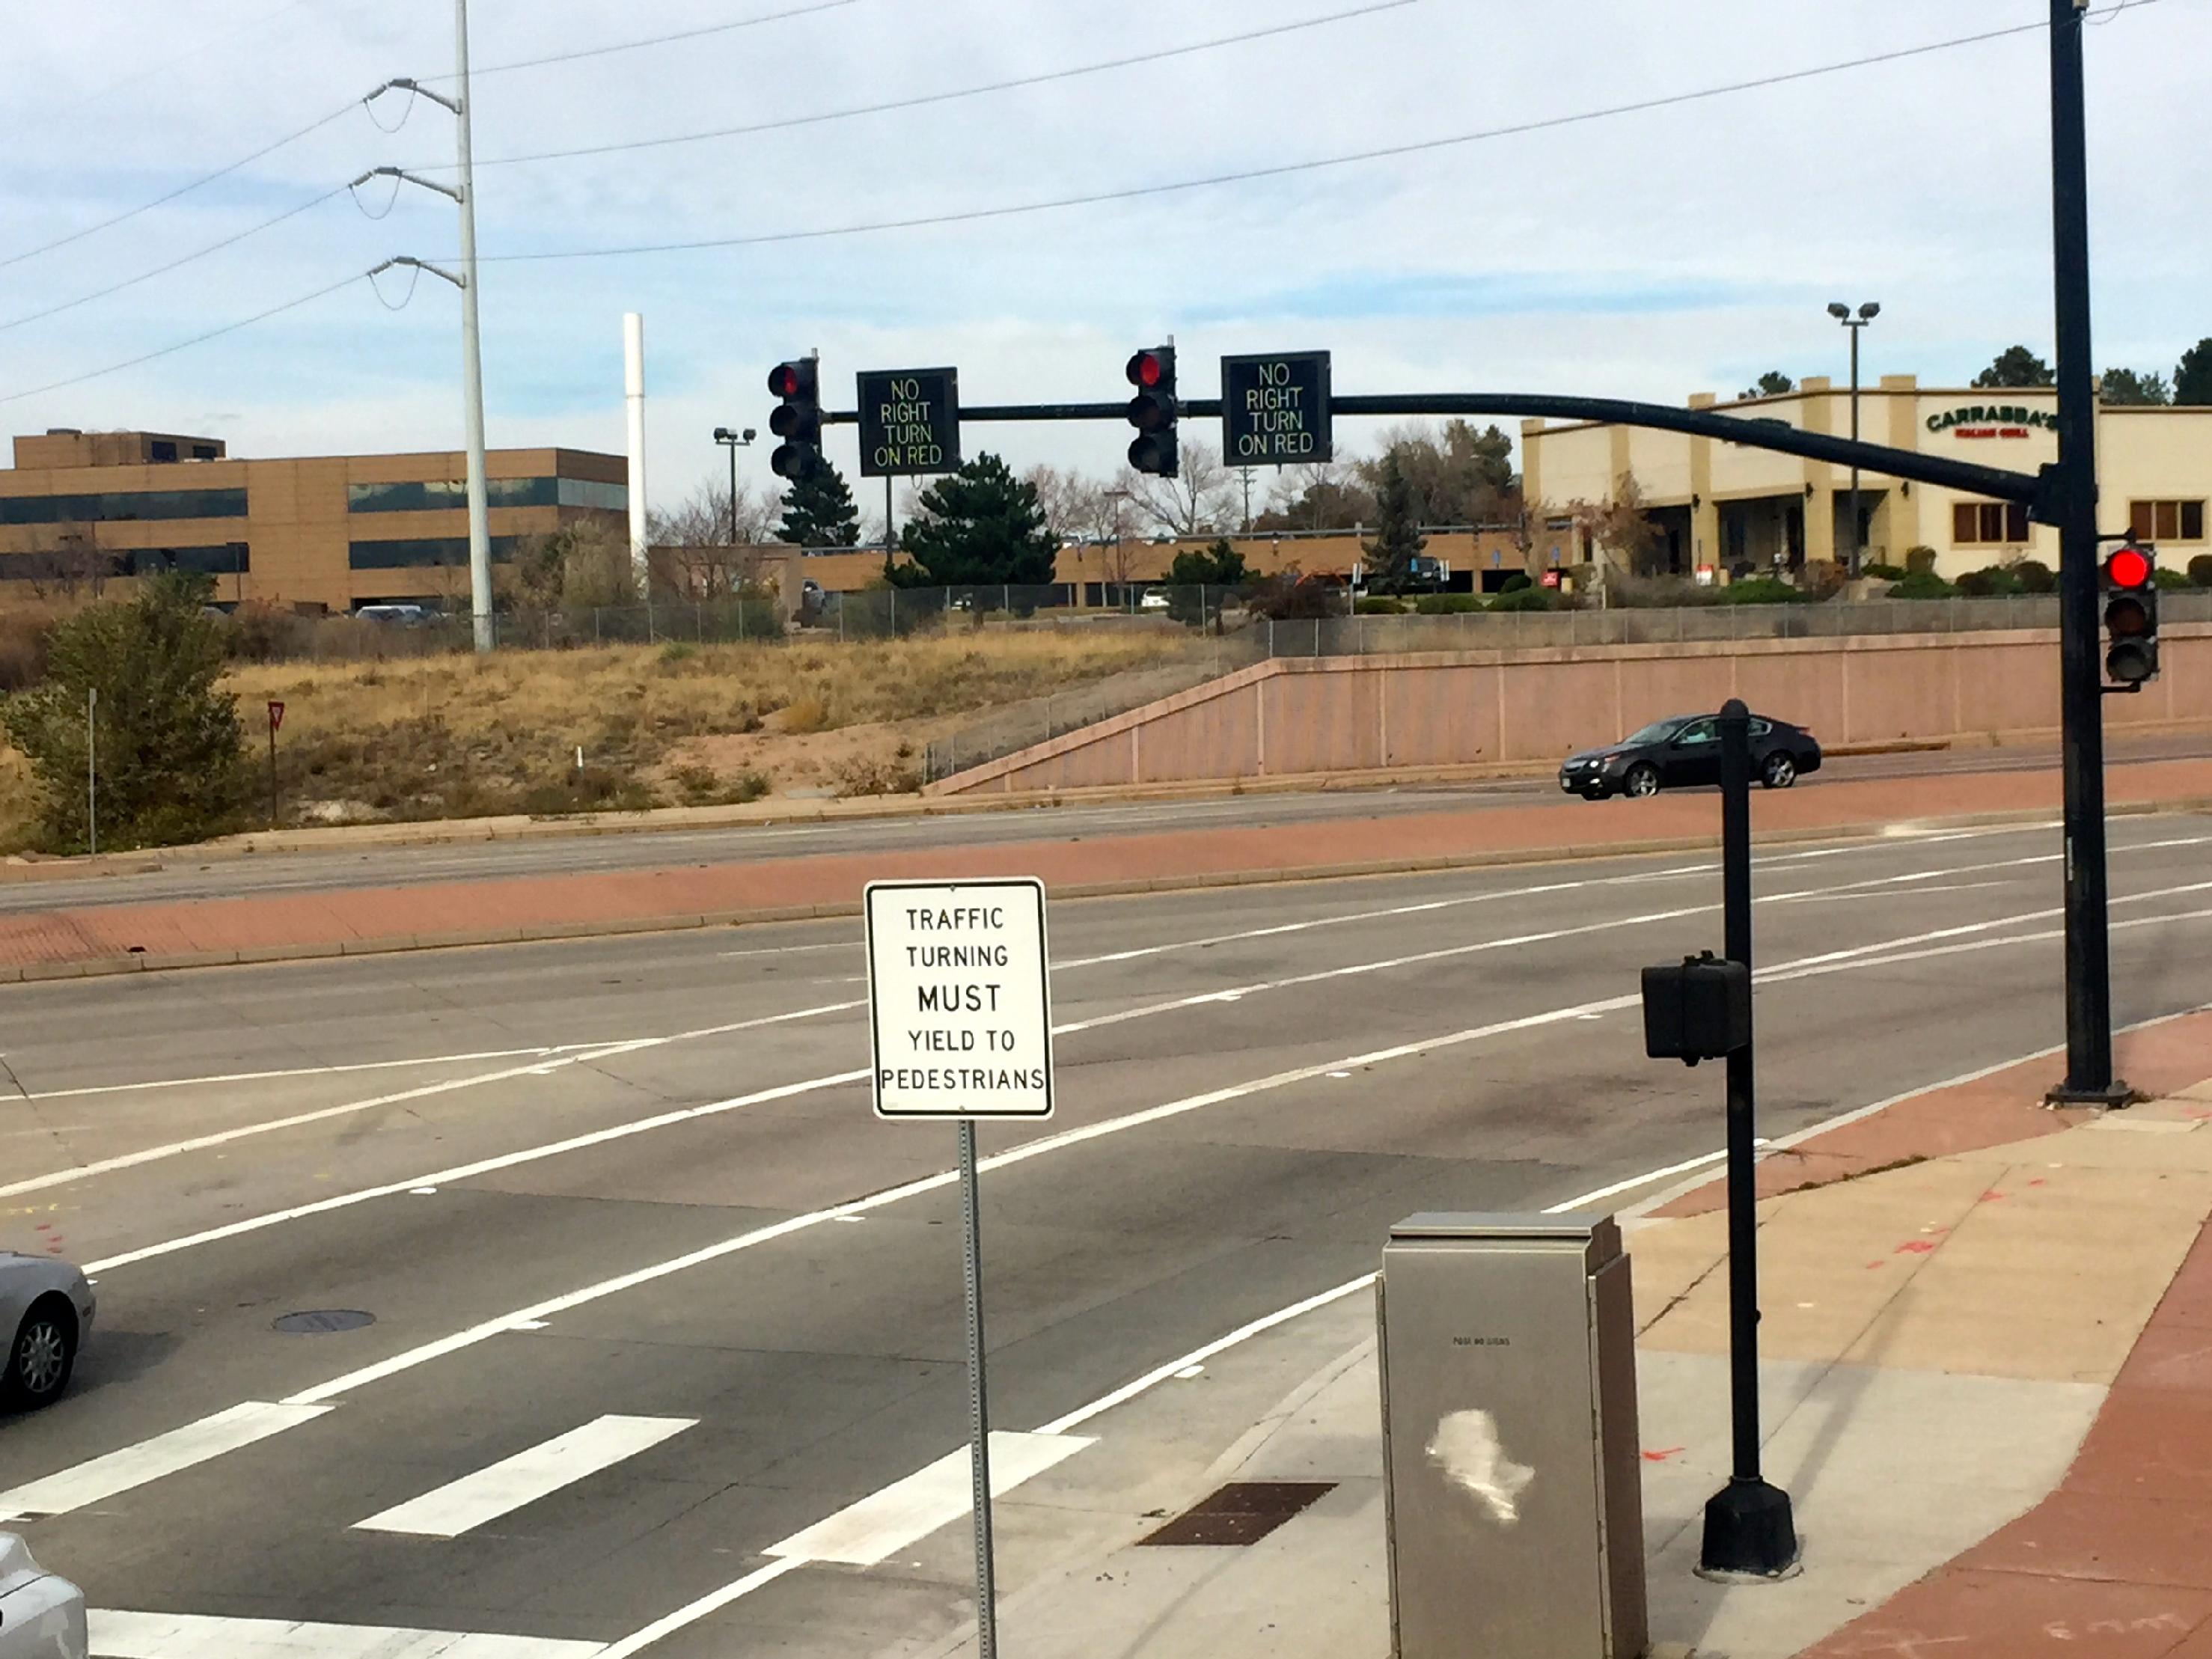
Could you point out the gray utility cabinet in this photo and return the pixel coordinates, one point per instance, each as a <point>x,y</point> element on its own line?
<point>1511,1464</point>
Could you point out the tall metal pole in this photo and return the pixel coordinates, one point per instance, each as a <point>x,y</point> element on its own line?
<point>733,494</point>
<point>2089,1077</point>
<point>471,356</point>
<point>633,471</point>
<point>92,769</point>
<point>978,1410</point>
<point>1858,548</point>
<point>1749,1527</point>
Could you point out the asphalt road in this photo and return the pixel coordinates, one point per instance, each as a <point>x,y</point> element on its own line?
<point>628,1193</point>
<point>185,877</point>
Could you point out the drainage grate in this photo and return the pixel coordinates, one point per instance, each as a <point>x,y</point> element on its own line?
<point>323,1321</point>
<point>1242,1512</point>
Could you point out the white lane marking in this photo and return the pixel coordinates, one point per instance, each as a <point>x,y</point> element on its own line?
<point>502,1488</point>
<point>120,1471</point>
<point>300,1071</point>
<point>1645,1180</point>
<point>863,1534</point>
<point>691,1615</point>
<point>191,1636</point>
<point>223,1138</point>
<point>790,950</point>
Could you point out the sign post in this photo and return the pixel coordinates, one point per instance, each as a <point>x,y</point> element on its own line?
<point>960,1027</point>
<point>276,720</point>
<point>910,422</point>
<point>1275,409</point>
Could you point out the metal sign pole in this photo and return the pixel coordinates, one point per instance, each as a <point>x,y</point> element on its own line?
<point>979,1407</point>
<point>92,769</point>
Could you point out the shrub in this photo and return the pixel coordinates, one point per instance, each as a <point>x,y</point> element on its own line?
<point>170,763</point>
<point>1380,606</point>
<point>2200,570</point>
<point>1822,578</point>
<point>1920,560</point>
<point>806,713</point>
<point>1526,599</point>
<point>2035,577</point>
<point>1887,573</point>
<point>1448,605</point>
<point>1922,584</point>
<point>875,774</point>
<point>22,649</point>
<point>590,789</point>
<point>2168,577</point>
<point>1516,581</point>
<point>260,632</point>
<point>1990,581</point>
<point>1763,590</point>
<point>1291,597</point>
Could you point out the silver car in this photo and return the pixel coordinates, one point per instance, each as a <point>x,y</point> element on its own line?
<point>46,1313</point>
<point>41,1615</point>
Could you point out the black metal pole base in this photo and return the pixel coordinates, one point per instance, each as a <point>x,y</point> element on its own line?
<point>1749,1530</point>
<point>2113,1096</point>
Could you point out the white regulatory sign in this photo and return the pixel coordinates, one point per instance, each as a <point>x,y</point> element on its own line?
<point>960,1014</point>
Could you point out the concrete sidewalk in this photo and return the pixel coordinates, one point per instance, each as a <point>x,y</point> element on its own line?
<point>1939,1339</point>
<point>65,942</point>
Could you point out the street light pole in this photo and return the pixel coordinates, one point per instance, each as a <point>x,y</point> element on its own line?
<point>480,595</point>
<point>1867,313</point>
<point>735,441</point>
<point>2089,1078</point>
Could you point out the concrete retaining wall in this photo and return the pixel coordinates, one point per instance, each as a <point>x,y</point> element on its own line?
<point>1295,717</point>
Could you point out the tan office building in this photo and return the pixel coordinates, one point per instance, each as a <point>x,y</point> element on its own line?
<point>1719,506</point>
<point>81,510</point>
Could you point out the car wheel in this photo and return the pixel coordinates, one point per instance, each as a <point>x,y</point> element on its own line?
<point>42,1356</point>
<point>1779,772</point>
<point>1642,780</point>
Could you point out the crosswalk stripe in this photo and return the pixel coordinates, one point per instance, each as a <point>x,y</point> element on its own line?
<point>119,1471</point>
<point>863,1534</point>
<point>512,1482</point>
<point>190,1636</point>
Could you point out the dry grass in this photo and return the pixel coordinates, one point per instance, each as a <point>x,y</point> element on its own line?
<point>459,736</point>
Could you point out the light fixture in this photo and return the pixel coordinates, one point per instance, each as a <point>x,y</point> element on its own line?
<point>1870,310</point>
<point>1838,309</point>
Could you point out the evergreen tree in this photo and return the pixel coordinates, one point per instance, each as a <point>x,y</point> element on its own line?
<point>1773,384</point>
<point>979,525</point>
<point>819,510</point>
<point>1398,539</point>
<point>2015,366</point>
<point>2121,386</point>
<point>1197,583</point>
<point>2193,379</point>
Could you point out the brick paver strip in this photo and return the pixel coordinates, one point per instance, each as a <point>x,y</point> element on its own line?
<point>391,916</point>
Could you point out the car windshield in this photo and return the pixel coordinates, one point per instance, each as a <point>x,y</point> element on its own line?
<point>1657,732</point>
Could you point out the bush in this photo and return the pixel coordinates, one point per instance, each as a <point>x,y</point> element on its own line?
<point>171,766</point>
<point>1920,560</point>
<point>1526,599</point>
<point>1379,606</point>
<point>1448,605</point>
<point>864,775</point>
<point>1821,579</point>
<point>260,632</point>
<point>1291,597</point>
<point>2168,577</point>
<point>23,649</point>
<point>1887,573</point>
<point>1763,590</point>
<point>2035,577</point>
<point>1922,584</point>
<point>1990,581</point>
<point>589,789</point>
<point>1516,581</point>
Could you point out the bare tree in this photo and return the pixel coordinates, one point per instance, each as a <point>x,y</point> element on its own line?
<point>1201,498</point>
<point>67,561</point>
<point>703,519</point>
<point>1617,531</point>
<point>1318,495</point>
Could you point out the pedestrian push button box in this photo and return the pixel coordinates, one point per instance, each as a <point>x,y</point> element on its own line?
<point>1697,1009</point>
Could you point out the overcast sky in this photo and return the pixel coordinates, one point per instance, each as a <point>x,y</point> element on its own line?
<point>1648,254</point>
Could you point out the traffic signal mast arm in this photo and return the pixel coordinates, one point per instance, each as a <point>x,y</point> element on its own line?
<point>2028,489</point>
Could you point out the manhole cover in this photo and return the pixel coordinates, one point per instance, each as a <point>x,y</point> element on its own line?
<point>1242,1512</point>
<point>323,1321</point>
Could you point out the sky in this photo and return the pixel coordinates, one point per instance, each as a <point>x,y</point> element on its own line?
<point>1652,253</point>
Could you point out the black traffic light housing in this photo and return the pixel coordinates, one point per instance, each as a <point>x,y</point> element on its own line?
<point>1153,411</point>
<point>1699,1008</point>
<point>797,419</point>
<point>2129,581</point>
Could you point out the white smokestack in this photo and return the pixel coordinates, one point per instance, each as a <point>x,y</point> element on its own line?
<point>633,396</point>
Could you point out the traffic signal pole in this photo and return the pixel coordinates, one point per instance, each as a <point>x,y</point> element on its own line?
<point>2072,504</point>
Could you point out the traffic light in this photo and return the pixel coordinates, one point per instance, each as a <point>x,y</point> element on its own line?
<point>2130,584</point>
<point>798,419</point>
<point>1153,411</point>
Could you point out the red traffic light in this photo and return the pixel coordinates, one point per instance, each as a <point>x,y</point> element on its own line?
<point>783,379</point>
<point>1145,369</point>
<point>2128,566</point>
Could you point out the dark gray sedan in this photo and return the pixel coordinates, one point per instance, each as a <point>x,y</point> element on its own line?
<point>1685,749</point>
<point>46,1313</point>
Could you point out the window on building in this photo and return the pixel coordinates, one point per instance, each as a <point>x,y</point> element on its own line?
<point>162,449</point>
<point>590,492</point>
<point>2166,522</point>
<point>1975,524</point>
<point>228,559</point>
<point>441,494</point>
<point>132,507</point>
<point>204,451</point>
<point>451,552</point>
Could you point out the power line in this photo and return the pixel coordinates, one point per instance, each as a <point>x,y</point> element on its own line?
<point>163,270</point>
<point>917,102</point>
<point>170,63</point>
<point>650,41</point>
<point>181,345</point>
<point>1135,192</point>
<point>181,190</point>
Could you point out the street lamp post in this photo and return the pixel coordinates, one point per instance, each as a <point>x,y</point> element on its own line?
<point>1867,313</point>
<point>735,441</point>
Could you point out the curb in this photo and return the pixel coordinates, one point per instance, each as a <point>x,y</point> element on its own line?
<point>550,932</point>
